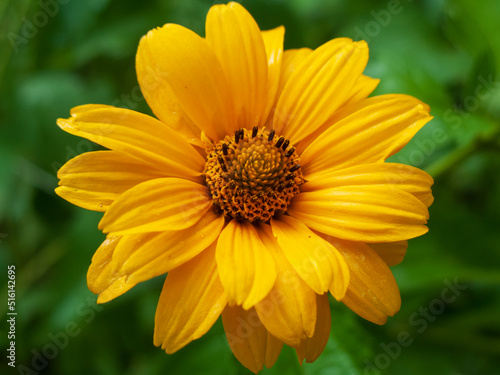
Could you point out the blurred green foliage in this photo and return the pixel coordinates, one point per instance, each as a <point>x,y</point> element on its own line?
<point>58,54</point>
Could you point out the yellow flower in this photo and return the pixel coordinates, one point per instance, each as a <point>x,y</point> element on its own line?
<point>261,187</point>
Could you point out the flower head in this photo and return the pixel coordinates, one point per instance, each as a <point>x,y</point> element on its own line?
<point>261,188</point>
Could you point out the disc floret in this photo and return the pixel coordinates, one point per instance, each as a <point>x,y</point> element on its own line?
<point>253,174</point>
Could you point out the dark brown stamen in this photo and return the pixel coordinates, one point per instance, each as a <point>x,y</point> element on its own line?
<point>285,145</point>
<point>295,167</point>
<point>254,131</point>
<point>222,163</point>
<point>290,152</point>
<point>237,135</point>
<point>224,148</point>
<point>271,135</point>
<point>291,176</point>
<point>279,142</point>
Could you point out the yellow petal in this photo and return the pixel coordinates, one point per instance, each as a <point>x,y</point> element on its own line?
<point>366,132</point>
<point>247,269</point>
<point>273,350</point>
<point>391,175</point>
<point>117,288</point>
<point>392,253</point>
<point>165,105</point>
<point>237,42</point>
<point>373,293</point>
<point>292,58</point>
<point>95,179</point>
<point>81,109</point>
<point>318,87</point>
<point>152,254</point>
<point>102,276</point>
<point>289,310</point>
<point>101,271</point>
<point>400,100</point>
<point>311,347</point>
<point>364,86</point>
<point>162,99</point>
<point>273,41</point>
<point>366,213</point>
<point>140,136</point>
<point>157,205</point>
<point>141,257</point>
<point>318,263</point>
<point>173,60</point>
<point>249,340</point>
<point>191,301</point>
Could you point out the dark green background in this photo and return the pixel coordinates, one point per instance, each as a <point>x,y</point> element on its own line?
<point>447,53</point>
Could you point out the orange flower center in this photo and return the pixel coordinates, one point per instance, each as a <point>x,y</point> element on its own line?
<point>253,174</point>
